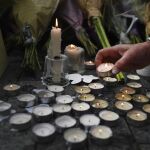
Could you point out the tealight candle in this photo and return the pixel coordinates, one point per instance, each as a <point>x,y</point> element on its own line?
<point>136,117</point>
<point>5,108</point>
<point>86,98</point>
<point>105,69</point>
<point>123,107</point>
<point>101,134</point>
<point>64,99</point>
<point>57,89</point>
<point>12,89</point>
<point>137,86</point>
<point>98,105</point>
<point>43,132</point>
<point>80,108</point>
<point>140,99</point>
<point>148,94</point>
<point>65,122</point>
<point>109,81</point>
<point>61,109</point>
<point>89,65</point>
<point>26,100</point>
<point>82,89</point>
<point>75,56</point>
<point>20,121</point>
<point>123,97</point>
<point>42,113</point>
<point>46,96</point>
<point>127,90</point>
<point>75,136</point>
<point>146,108</point>
<point>109,117</point>
<point>133,77</point>
<point>89,120</point>
<point>96,88</point>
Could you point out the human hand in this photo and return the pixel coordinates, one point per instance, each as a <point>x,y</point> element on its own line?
<point>126,57</point>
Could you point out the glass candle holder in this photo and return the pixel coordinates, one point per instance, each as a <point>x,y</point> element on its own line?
<point>55,70</point>
<point>75,58</point>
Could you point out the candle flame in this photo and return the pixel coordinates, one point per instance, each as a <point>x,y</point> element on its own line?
<point>106,65</point>
<point>11,86</point>
<point>122,104</point>
<point>100,130</point>
<point>72,46</point>
<point>123,96</point>
<point>137,115</point>
<point>56,23</point>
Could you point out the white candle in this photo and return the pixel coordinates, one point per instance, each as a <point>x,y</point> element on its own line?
<point>89,120</point>
<point>96,86</point>
<point>82,89</point>
<point>137,115</point>
<point>75,55</point>
<point>125,106</point>
<point>110,79</point>
<point>80,106</point>
<point>99,104</point>
<point>5,108</point>
<point>123,97</point>
<point>135,85</point>
<point>26,100</point>
<point>148,94</point>
<point>65,122</point>
<point>75,135</point>
<point>101,132</point>
<point>57,89</point>
<point>11,87</point>
<point>64,99</point>
<point>127,90</point>
<point>87,97</point>
<point>146,108</point>
<point>108,115</point>
<point>89,64</point>
<point>140,98</point>
<point>55,43</point>
<point>61,108</point>
<point>105,69</point>
<point>43,130</point>
<point>133,77</point>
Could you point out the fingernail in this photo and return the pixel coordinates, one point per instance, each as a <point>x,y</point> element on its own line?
<point>115,70</point>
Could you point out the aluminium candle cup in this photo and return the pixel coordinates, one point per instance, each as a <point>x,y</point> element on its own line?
<point>105,69</point>
<point>90,65</point>
<point>146,109</point>
<point>79,109</point>
<point>46,97</point>
<point>56,89</point>
<point>64,99</point>
<point>109,118</point>
<point>12,89</point>
<point>123,97</point>
<point>26,100</point>
<point>64,122</point>
<point>44,132</point>
<point>99,104</point>
<point>96,88</point>
<point>122,107</point>
<point>135,85</point>
<point>109,81</point>
<point>5,108</point>
<point>20,121</point>
<point>136,118</point>
<point>42,113</point>
<point>139,100</point>
<point>100,135</point>
<point>133,78</point>
<point>127,90</point>
<point>75,138</point>
<point>89,120</point>
<point>61,109</point>
<point>88,98</point>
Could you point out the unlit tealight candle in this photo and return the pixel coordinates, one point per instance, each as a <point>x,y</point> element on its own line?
<point>64,99</point>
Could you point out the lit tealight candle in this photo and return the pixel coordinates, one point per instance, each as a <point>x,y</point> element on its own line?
<point>87,98</point>
<point>75,136</point>
<point>12,89</point>
<point>136,117</point>
<point>146,108</point>
<point>57,89</point>
<point>123,107</point>
<point>64,99</point>
<point>109,117</point>
<point>127,90</point>
<point>89,65</point>
<point>123,97</point>
<point>43,132</point>
<point>20,121</point>
<point>109,81</point>
<point>82,89</point>
<point>101,134</point>
<point>105,69</point>
<point>96,88</point>
<point>140,99</point>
